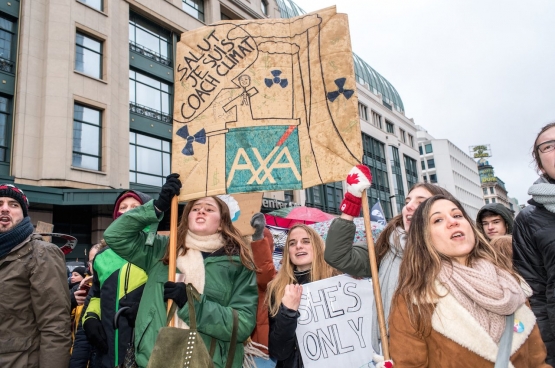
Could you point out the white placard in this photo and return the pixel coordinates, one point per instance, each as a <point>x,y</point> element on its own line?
<point>334,326</point>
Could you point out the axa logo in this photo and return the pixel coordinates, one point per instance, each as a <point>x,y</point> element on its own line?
<point>261,168</point>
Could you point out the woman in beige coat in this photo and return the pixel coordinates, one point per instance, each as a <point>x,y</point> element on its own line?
<point>455,292</point>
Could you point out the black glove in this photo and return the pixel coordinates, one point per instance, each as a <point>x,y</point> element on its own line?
<point>258,221</point>
<point>95,334</point>
<point>169,190</point>
<point>177,291</point>
<point>131,313</point>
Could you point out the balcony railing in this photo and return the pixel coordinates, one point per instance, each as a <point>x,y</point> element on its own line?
<point>149,113</point>
<point>6,65</point>
<point>146,52</point>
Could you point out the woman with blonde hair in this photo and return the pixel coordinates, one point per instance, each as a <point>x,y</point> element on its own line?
<point>303,262</point>
<point>459,302</point>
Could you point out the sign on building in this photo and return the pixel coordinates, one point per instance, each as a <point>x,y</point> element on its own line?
<point>480,151</point>
<point>265,105</point>
<point>334,326</point>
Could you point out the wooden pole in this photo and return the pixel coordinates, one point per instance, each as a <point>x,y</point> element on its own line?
<point>173,247</point>
<point>375,279</point>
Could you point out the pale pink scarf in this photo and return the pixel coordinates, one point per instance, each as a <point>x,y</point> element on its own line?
<point>487,292</point>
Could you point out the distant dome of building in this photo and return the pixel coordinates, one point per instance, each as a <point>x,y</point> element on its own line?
<point>365,74</point>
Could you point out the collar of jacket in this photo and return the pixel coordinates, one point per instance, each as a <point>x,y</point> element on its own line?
<point>19,250</point>
<point>453,321</point>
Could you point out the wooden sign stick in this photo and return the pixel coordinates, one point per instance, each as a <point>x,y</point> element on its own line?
<point>374,272</point>
<point>173,248</point>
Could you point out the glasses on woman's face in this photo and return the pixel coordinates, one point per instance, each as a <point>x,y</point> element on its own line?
<point>546,146</point>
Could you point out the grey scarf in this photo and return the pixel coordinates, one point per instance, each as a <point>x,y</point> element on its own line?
<point>388,275</point>
<point>543,192</point>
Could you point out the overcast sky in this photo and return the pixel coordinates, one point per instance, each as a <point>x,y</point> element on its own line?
<point>473,71</point>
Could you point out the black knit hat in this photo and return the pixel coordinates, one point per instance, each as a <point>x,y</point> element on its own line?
<point>80,270</point>
<point>10,190</point>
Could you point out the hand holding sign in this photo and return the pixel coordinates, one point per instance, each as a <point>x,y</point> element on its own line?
<point>292,296</point>
<point>358,180</point>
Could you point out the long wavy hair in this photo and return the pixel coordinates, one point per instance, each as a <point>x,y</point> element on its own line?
<point>383,244</point>
<point>319,270</point>
<point>422,263</point>
<point>232,238</point>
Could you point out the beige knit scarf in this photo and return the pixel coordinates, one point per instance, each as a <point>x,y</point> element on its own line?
<point>191,265</point>
<point>486,291</point>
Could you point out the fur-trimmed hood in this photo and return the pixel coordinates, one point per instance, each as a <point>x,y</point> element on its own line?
<point>455,322</point>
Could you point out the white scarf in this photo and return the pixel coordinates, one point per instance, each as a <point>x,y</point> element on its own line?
<point>191,265</point>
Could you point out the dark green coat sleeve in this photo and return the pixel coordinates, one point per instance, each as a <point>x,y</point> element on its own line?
<point>340,252</point>
<point>126,237</point>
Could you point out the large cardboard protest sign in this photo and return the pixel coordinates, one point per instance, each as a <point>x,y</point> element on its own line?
<point>263,105</point>
<point>333,329</point>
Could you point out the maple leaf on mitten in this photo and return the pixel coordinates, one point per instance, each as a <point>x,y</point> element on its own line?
<point>358,180</point>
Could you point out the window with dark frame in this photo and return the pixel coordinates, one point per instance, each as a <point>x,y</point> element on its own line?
<point>397,172</point>
<point>374,156</point>
<point>431,163</point>
<point>390,127</point>
<point>194,8</point>
<point>377,120</point>
<point>7,35</point>
<point>433,178</point>
<point>264,7</point>
<point>403,135</point>
<point>150,97</point>
<point>87,137</point>
<point>88,55</point>
<point>149,159</point>
<point>5,128</point>
<point>363,111</point>
<point>150,40</point>
<point>410,172</point>
<point>428,148</point>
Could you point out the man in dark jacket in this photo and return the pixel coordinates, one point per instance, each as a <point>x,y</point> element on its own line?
<point>34,307</point>
<point>494,219</point>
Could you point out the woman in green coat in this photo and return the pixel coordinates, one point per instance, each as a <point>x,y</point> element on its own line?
<point>211,255</point>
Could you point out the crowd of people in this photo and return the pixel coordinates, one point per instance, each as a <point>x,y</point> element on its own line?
<point>456,291</point>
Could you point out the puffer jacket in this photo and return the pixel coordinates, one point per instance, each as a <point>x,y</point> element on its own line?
<point>534,258</point>
<point>34,306</point>
<point>229,285</point>
<point>500,210</point>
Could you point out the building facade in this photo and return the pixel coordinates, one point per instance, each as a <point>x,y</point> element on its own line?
<point>493,188</point>
<point>446,165</point>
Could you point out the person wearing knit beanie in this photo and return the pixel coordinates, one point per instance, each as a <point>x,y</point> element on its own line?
<point>39,316</point>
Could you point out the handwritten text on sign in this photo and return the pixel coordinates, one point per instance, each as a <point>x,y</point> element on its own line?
<point>333,329</point>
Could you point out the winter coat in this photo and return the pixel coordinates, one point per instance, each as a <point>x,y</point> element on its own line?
<point>457,340</point>
<point>500,210</point>
<point>116,282</point>
<point>34,306</point>
<point>229,285</point>
<point>264,262</point>
<point>342,254</point>
<point>283,343</point>
<point>534,258</point>
<point>352,259</point>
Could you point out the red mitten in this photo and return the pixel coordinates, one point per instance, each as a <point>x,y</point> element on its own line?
<point>358,180</point>
<point>381,363</point>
